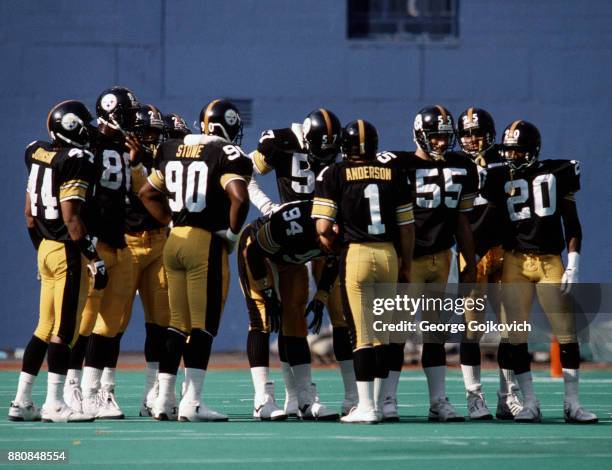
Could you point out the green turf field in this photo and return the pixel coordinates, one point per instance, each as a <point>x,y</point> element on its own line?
<point>142,442</point>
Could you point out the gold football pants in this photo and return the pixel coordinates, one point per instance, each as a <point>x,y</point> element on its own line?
<point>368,271</point>
<point>334,301</point>
<point>104,308</point>
<point>63,292</point>
<point>196,264</point>
<point>291,282</point>
<point>488,271</point>
<point>148,277</point>
<point>526,274</point>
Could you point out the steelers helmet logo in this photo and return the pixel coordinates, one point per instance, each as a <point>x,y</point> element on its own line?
<point>70,121</point>
<point>108,102</point>
<point>231,117</point>
<point>418,122</point>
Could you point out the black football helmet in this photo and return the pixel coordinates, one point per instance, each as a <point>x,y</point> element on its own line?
<point>222,118</point>
<point>359,140</point>
<point>69,122</point>
<point>521,144</point>
<point>475,131</point>
<point>175,126</point>
<point>148,125</point>
<point>434,122</point>
<point>321,130</point>
<point>114,108</point>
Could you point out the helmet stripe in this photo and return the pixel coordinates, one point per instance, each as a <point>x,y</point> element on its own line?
<point>442,111</point>
<point>361,127</point>
<point>514,124</point>
<point>328,124</point>
<point>209,108</point>
<point>470,114</point>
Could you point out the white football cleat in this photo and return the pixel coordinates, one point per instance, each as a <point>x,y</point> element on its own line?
<point>530,413</point>
<point>389,411</point>
<point>196,412</point>
<point>23,412</point>
<point>62,413</point>
<point>508,405</point>
<point>291,407</point>
<point>314,410</point>
<point>73,396</point>
<point>348,404</point>
<point>574,413</point>
<point>164,409</point>
<point>442,411</point>
<point>266,409</point>
<point>148,400</point>
<point>358,416</point>
<point>477,407</point>
<point>109,408</point>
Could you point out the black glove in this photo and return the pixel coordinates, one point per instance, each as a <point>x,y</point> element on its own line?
<point>273,308</point>
<point>97,270</point>
<point>315,306</point>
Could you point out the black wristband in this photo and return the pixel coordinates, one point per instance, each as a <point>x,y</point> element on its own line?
<point>87,247</point>
<point>35,236</point>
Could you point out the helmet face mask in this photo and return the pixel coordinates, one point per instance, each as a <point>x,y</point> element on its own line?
<point>321,131</point>
<point>521,144</point>
<point>222,118</point>
<point>434,131</point>
<point>69,124</point>
<point>475,131</point>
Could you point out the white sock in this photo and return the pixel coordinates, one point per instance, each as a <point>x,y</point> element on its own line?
<point>525,382</point>
<point>571,378</point>
<point>471,378</point>
<point>379,392</point>
<point>347,369</point>
<point>194,380</point>
<point>303,383</point>
<point>167,384</point>
<point>55,389</point>
<point>73,375</point>
<point>436,382</point>
<point>151,376</point>
<point>108,377</point>
<point>366,395</point>
<point>24,388</point>
<point>90,383</point>
<point>260,379</point>
<point>391,384</point>
<point>507,382</point>
<point>290,387</point>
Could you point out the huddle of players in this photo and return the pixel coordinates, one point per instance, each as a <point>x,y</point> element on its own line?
<point>362,218</point>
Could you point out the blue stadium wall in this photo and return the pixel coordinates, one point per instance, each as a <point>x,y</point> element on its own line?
<point>549,62</point>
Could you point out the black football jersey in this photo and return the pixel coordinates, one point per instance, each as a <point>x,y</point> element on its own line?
<point>483,217</point>
<point>288,236</point>
<point>368,200</point>
<point>531,199</point>
<point>282,150</point>
<point>137,217</point>
<point>194,178</point>
<point>440,190</point>
<point>56,175</point>
<point>104,214</point>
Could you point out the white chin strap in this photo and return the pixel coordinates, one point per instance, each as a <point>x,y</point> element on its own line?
<point>112,125</point>
<point>55,136</point>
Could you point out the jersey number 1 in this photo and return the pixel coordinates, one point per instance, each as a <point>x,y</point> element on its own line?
<point>371,193</point>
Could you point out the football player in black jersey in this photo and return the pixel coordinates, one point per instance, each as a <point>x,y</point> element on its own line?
<point>266,247</point>
<point>60,175</point>
<point>297,155</point>
<point>445,184</point>
<point>538,200</point>
<point>145,238</point>
<point>99,330</point>
<point>175,126</point>
<point>371,203</point>
<point>476,135</point>
<point>200,183</point>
